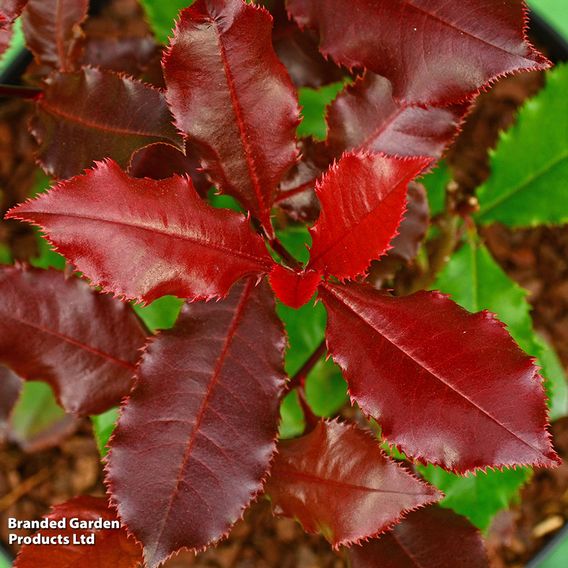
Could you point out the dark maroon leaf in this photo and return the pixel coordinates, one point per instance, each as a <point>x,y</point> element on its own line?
<point>363,197</point>
<point>161,161</point>
<point>428,537</point>
<point>60,331</point>
<point>141,239</point>
<point>439,380</point>
<point>94,114</point>
<point>414,226</point>
<point>432,51</point>
<point>10,387</point>
<point>112,547</point>
<point>336,480</point>
<point>194,441</point>
<point>229,92</point>
<point>297,191</point>
<point>298,50</point>
<point>294,288</point>
<point>130,55</point>
<point>366,116</point>
<point>52,31</point>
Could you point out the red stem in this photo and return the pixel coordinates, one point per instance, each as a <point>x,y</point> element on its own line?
<point>299,379</point>
<point>284,254</point>
<point>19,92</point>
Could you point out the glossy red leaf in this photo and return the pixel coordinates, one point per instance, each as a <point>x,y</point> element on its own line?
<point>60,331</point>
<point>52,31</point>
<point>363,198</point>
<point>447,387</point>
<point>432,51</point>
<point>298,50</point>
<point>113,547</point>
<point>336,480</point>
<point>294,288</point>
<point>429,537</point>
<point>195,439</point>
<point>161,161</point>
<point>229,92</point>
<point>141,239</point>
<point>10,387</point>
<point>93,114</point>
<point>366,116</point>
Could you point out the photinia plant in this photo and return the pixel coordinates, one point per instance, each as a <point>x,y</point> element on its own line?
<point>197,440</point>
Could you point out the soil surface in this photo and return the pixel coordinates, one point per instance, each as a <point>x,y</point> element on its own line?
<point>537,259</point>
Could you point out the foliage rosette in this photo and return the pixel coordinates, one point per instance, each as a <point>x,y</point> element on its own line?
<point>196,196</point>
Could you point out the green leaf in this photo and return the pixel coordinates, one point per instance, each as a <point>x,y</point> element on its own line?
<point>529,167</point>
<point>436,182</point>
<point>17,43</point>
<point>555,377</point>
<point>161,15</point>
<point>37,416</point>
<point>103,427</point>
<point>314,103</point>
<point>478,497</point>
<point>296,239</point>
<point>160,314</point>
<point>5,254</point>
<point>291,417</point>
<point>326,390</point>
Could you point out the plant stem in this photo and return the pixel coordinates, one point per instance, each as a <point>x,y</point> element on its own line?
<point>299,379</point>
<point>446,244</point>
<point>19,92</point>
<point>284,254</point>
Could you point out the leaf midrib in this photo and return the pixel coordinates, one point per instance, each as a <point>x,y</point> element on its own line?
<point>200,242</point>
<point>427,367</point>
<point>74,342</point>
<point>342,484</point>
<point>523,185</point>
<point>245,297</point>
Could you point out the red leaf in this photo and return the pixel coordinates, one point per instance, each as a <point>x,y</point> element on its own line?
<point>229,92</point>
<point>298,50</point>
<point>337,481</point>
<point>52,32</point>
<point>362,197</point>
<point>432,51</point>
<point>142,239</point>
<point>11,9</point>
<point>414,226</point>
<point>113,547</point>
<point>294,288</point>
<point>10,387</point>
<point>124,54</point>
<point>194,442</point>
<point>5,35</point>
<point>161,161</point>
<point>93,114</point>
<point>58,330</point>
<point>448,387</point>
<point>366,116</point>
<point>297,196</point>
<point>428,537</point>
